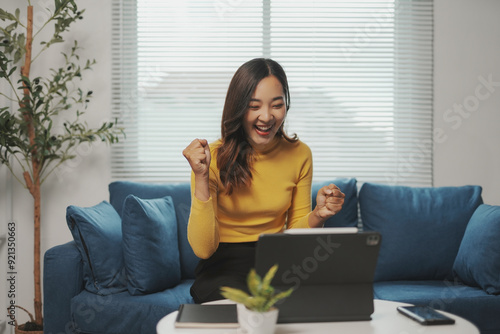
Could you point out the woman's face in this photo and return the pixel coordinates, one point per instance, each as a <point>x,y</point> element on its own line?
<point>266,112</point>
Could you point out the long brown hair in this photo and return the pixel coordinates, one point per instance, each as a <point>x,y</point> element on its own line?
<point>235,154</point>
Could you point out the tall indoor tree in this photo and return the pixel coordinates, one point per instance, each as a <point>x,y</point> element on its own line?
<point>34,141</point>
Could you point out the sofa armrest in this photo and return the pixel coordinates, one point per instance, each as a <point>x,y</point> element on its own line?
<point>62,280</point>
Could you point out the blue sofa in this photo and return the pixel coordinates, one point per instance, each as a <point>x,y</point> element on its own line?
<point>439,247</point>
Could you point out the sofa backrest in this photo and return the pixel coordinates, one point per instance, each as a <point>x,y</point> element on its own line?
<point>421,228</point>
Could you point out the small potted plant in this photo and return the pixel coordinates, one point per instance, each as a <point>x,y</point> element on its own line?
<point>258,314</point>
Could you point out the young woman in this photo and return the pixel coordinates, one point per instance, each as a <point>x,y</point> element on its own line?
<point>255,179</point>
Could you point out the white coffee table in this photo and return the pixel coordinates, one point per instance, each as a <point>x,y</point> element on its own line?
<point>385,320</point>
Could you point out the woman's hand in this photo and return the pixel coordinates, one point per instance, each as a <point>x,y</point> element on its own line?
<point>198,155</point>
<point>329,202</point>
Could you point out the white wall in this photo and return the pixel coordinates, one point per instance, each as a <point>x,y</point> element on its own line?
<point>467,46</point>
<point>467,111</point>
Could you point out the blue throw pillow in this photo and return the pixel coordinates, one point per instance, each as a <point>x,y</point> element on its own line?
<point>150,248</point>
<point>421,228</point>
<point>97,232</point>
<point>478,259</point>
<point>181,196</point>
<point>348,216</point>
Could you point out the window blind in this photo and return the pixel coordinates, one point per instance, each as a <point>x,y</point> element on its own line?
<point>360,76</point>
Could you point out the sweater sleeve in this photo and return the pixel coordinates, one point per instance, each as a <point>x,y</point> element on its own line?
<point>203,227</point>
<point>300,208</point>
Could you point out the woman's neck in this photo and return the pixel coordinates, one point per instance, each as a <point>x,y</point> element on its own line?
<point>264,149</point>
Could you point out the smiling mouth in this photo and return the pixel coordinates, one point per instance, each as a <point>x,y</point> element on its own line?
<point>263,130</point>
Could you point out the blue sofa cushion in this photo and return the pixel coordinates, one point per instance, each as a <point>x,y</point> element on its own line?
<point>97,232</point>
<point>181,196</point>
<point>126,314</point>
<point>348,216</point>
<point>421,228</point>
<point>478,259</point>
<point>150,248</point>
<point>471,303</point>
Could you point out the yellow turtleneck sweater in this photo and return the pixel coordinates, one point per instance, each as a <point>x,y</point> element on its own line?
<point>280,193</point>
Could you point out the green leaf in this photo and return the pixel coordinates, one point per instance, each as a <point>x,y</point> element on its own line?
<point>11,27</point>
<point>38,104</point>
<point>12,70</point>
<point>18,12</point>
<point>57,4</point>
<point>266,282</point>
<point>233,294</point>
<point>55,40</point>
<point>6,15</point>
<point>257,303</point>
<point>278,297</point>
<point>253,282</point>
<point>25,79</point>
<point>72,2</point>
<point>17,56</point>
<point>21,41</point>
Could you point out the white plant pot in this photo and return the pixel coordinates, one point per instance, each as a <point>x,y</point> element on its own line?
<point>252,322</point>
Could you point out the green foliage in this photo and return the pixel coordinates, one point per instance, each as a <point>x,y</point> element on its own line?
<point>9,37</point>
<point>52,107</point>
<point>262,295</point>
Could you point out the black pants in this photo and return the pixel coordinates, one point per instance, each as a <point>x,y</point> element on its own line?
<point>228,266</point>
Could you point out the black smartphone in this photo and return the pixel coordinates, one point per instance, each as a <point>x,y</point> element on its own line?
<point>425,315</point>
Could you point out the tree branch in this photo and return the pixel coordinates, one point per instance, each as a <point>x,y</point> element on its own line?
<point>8,97</point>
<point>14,174</point>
